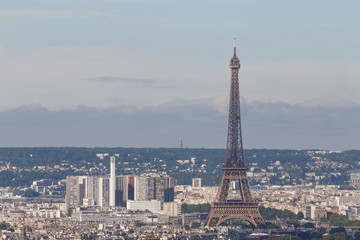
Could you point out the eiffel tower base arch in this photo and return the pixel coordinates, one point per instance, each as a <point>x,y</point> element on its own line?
<point>221,212</point>
<point>242,208</point>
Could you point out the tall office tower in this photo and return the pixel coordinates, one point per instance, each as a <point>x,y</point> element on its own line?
<point>103,191</point>
<point>80,190</point>
<point>156,188</point>
<point>71,192</point>
<point>169,192</point>
<point>90,191</point>
<point>81,183</point>
<point>130,187</point>
<point>112,182</point>
<point>234,169</point>
<point>161,188</point>
<point>141,188</point>
<point>121,192</point>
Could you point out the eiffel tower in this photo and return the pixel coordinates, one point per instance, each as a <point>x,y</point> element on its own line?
<point>241,205</point>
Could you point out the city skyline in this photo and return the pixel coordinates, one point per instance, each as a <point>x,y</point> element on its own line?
<point>70,61</point>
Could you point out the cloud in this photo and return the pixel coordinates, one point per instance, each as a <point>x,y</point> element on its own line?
<point>32,14</point>
<point>329,103</point>
<point>264,125</point>
<point>58,77</point>
<point>297,81</point>
<point>121,80</point>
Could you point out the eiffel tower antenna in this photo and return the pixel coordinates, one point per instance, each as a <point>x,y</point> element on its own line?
<point>234,46</point>
<point>243,205</point>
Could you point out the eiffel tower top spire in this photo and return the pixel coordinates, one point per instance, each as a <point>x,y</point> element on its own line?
<point>234,62</point>
<point>234,157</point>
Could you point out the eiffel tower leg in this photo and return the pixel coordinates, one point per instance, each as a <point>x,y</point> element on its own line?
<point>211,219</point>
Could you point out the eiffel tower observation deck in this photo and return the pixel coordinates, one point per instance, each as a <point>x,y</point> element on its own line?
<point>241,205</point>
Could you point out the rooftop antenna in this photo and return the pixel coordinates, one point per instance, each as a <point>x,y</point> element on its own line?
<point>181,142</point>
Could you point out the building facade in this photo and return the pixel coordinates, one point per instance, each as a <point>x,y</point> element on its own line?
<point>355,178</point>
<point>80,189</point>
<point>97,190</point>
<point>196,182</point>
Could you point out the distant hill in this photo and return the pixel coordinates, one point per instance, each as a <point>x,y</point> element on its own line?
<point>20,166</point>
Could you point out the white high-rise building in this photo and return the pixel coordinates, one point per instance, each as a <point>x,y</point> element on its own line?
<point>112,187</point>
<point>141,188</point>
<point>103,191</point>
<point>153,206</point>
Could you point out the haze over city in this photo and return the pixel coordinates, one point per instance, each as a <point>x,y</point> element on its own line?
<point>143,73</point>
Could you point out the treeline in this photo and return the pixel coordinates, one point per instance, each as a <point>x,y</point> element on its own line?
<point>209,160</point>
<point>266,213</point>
<point>26,193</point>
<point>25,178</point>
<point>341,221</point>
<point>190,208</point>
<point>272,214</point>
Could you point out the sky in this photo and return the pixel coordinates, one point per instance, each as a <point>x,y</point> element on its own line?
<point>141,73</point>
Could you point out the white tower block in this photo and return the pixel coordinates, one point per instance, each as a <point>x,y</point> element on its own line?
<point>112,182</point>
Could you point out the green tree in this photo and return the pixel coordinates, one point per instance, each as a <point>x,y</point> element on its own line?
<point>337,236</point>
<point>190,208</point>
<point>308,225</point>
<point>272,214</point>
<point>324,220</point>
<point>293,222</point>
<point>31,193</point>
<point>357,236</point>
<point>196,238</point>
<point>195,225</point>
<point>337,230</point>
<point>338,220</point>
<point>323,231</point>
<point>3,226</point>
<point>267,225</point>
<point>184,207</point>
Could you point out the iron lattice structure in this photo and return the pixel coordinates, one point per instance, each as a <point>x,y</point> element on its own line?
<point>243,206</point>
